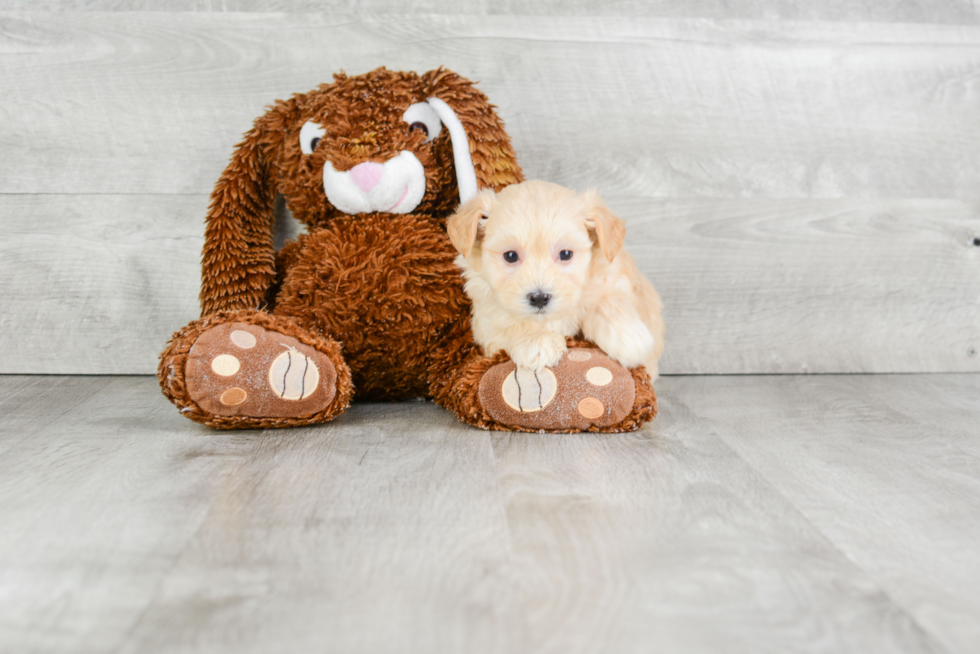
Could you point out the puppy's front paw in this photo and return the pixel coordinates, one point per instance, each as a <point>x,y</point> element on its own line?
<point>541,352</point>
<point>630,344</point>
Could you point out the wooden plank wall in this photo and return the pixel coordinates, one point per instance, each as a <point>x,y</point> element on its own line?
<point>800,180</point>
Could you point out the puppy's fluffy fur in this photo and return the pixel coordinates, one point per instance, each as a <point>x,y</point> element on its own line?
<point>542,262</point>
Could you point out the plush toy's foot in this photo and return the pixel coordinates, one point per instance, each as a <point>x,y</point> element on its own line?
<point>254,370</point>
<point>237,369</point>
<point>586,391</point>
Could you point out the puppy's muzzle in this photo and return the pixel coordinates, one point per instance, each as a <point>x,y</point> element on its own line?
<point>538,300</point>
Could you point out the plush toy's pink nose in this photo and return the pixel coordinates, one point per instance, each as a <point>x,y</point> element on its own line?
<point>367,175</point>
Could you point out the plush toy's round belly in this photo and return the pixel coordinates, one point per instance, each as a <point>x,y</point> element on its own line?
<point>386,287</point>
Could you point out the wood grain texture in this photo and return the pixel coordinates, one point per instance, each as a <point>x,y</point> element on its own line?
<point>96,506</point>
<point>152,103</point>
<point>669,541</point>
<point>819,286</point>
<point>360,536</point>
<point>917,11</point>
<point>96,284</point>
<point>803,193</point>
<point>756,514</point>
<point>878,443</point>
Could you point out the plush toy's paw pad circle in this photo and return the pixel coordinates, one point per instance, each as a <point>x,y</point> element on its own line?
<point>237,369</point>
<point>586,389</point>
<point>527,391</point>
<point>293,375</point>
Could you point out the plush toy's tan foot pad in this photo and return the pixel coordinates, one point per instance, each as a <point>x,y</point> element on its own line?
<point>586,389</point>
<point>237,369</point>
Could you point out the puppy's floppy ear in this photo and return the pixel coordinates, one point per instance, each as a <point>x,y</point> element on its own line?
<point>238,261</point>
<point>464,225</point>
<point>481,147</point>
<point>609,228</point>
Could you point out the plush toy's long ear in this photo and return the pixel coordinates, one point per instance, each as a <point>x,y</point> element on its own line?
<point>479,141</point>
<point>609,228</point>
<point>464,225</point>
<point>238,262</point>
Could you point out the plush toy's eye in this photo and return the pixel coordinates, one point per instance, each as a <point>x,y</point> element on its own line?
<point>511,257</point>
<point>565,255</point>
<point>309,135</point>
<point>422,116</point>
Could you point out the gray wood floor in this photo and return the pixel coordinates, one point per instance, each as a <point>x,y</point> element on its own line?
<point>799,180</point>
<point>757,514</point>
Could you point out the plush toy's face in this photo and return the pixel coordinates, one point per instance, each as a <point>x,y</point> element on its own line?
<point>372,143</point>
<point>377,144</point>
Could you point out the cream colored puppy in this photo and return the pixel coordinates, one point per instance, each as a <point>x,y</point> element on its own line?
<point>542,262</point>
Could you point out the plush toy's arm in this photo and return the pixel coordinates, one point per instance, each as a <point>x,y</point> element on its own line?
<point>238,262</point>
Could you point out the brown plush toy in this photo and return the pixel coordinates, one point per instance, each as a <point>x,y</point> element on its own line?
<point>367,304</point>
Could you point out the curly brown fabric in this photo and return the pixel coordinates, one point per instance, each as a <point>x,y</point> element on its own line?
<point>458,390</point>
<point>173,364</point>
<point>376,293</point>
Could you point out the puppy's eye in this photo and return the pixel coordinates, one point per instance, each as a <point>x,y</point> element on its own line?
<point>565,255</point>
<point>422,116</point>
<point>309,136</point>
<point>511,257</point>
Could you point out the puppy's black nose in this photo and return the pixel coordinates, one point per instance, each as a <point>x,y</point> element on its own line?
<point>538,299</point>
